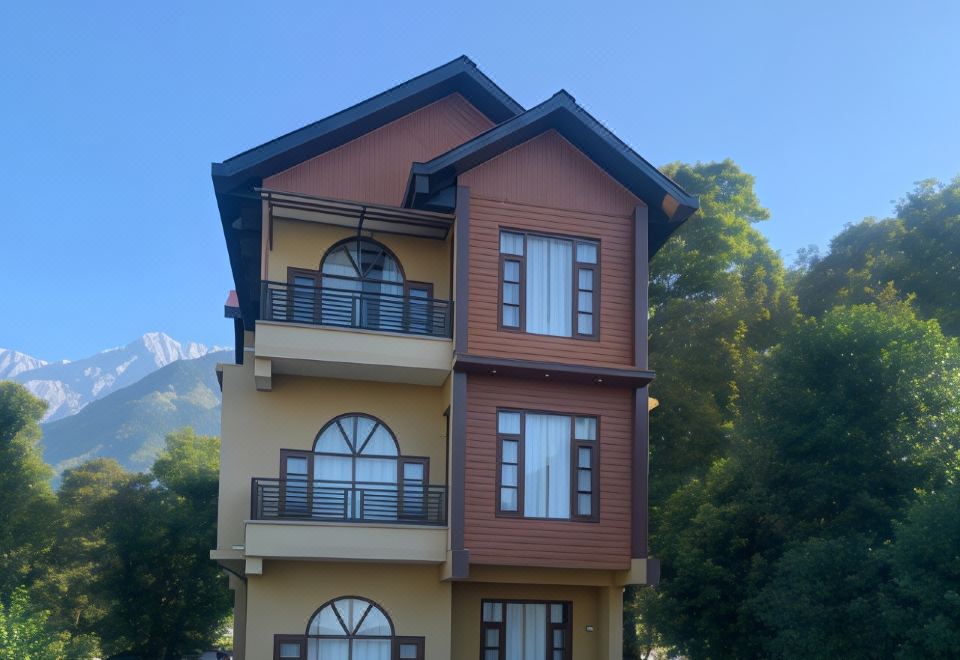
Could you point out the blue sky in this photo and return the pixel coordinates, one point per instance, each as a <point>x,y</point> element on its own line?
<point>112,113</point>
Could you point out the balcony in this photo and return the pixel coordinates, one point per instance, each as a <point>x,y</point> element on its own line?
<point>329,332</point>
<point>347,502</point>
<point>343,308</point>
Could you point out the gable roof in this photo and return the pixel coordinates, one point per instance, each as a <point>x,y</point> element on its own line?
<point>460,75</point>
<point>234,179</point>
<point>668,204</point>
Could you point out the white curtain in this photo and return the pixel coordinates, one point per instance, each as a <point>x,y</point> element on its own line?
<point>371,649</point>
<point>546,466</point>
<point>549,286</point>
<point>526,631</point>
<point>328,649</point>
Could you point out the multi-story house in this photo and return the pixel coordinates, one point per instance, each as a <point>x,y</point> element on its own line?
<point>435,432</point>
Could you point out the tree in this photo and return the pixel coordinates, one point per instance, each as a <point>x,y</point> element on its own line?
<point>717,295</point>
<point>24,634</point>
<point>841,425</point>
<point>924,561</point>
<point>168,596</point>
<point>28,511</point>
<point>71,587</point>
<point>917,253</point>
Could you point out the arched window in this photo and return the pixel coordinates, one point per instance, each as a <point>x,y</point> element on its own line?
<point>356,472</point>
<point>362,284</point>
<point>349,628</point>
<point>362,264</point>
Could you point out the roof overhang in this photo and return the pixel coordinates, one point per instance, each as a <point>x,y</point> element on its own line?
<point>356,216</point>
<point>430,184</point>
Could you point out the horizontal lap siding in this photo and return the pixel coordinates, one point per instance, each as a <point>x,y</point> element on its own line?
<point>375,167</point>
<point>546,185</point>
<point>565,544</point>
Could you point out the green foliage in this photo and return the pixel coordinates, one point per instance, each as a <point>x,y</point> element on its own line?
<point>166,594</point>
<point>924,560</point>
<point>28,503</point>
<point>776,551</point>
<point>24,634</point>
<point>717,296</point>
<point>917,253</point>
<point>71,586</point>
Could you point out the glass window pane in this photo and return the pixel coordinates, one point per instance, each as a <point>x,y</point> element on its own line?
<point>511,243</point>
<point>509,454</point>
<point>493,612</point>
<point>511,293</point>
<point>413,471</point>
<point>587,253</point>
<point>508,475</point>
<point>328,649</point>
<point>296,466</point>
<point>546,466</point>
<point>289,650</point>
<point>408,651</point>
<point>492,637</point>
<point>585,324</point>
<point>508,422</point>
<point>585,279</point>
<point>558,655</point>
<point>585,428</point>
<point>584,456</point>
<point>557,637</point>
<point>584,480</point>
<point>556,614</point>
<point>584,301</point>
<point>549,296</point>
<point>511,316</point>
<point>511,271</point>
<point>375,623</point>
<point>508,499</point>
<point>584,505</point>
<point>372,649</point>
<point>377,470</point>
<point>492,654</point>
<point>333,468</point>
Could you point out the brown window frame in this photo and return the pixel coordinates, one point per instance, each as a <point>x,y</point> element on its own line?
<point>578,266</point>
<point>501,626</point>
<point>395,640</point>
<point>575,445</point>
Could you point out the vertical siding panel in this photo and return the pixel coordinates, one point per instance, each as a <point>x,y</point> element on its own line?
<point>566,544</point>
<point>374,167</point>
<point>548,185</point>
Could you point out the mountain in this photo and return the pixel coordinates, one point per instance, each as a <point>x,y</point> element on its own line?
<point>69,386</point>
<point>14,362</point>
<point>130,423</point>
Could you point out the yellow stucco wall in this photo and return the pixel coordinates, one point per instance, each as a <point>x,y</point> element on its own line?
<point>588,610</point>
<point>255,426</point>
<point>282,600</point>
<point>303,244</point>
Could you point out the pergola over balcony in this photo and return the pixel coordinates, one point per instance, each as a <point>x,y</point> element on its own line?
<point>354,215</point>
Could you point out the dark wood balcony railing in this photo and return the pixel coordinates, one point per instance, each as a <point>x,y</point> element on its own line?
<point>337,501</point>
<point>414,315</point>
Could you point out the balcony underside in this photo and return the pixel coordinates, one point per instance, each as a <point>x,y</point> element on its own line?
<point>347,353</point>
<point>345,542</point>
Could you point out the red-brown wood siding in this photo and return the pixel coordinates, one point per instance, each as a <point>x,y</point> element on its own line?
<point>375,167</point>
<point>547,185</point>
<point>565,544</point>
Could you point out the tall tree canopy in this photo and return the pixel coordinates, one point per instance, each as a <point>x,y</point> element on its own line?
<point>167,597</point>
<point>28,510</point>
<point>717,294</point>
<point>917,253</point>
